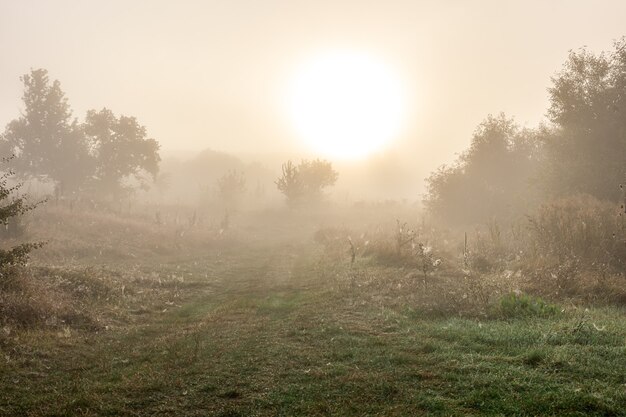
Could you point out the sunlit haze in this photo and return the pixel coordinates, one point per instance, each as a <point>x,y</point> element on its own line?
<point>346,104</point>
<point>312,208</point>
<point>216,74</point>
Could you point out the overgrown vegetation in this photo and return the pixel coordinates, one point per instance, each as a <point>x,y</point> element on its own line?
<point>493,178</point>
<point>270,327</point>
<point>508,171</point>
<point>303,184</point>
<point>522,305</point>
<point>11,207</point>
<point>506,296</point>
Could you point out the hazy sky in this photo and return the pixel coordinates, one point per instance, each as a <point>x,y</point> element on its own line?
<point>210,74</point>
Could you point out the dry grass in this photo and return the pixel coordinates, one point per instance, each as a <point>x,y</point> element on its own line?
<point>237,323</point>
<point>282,329</point>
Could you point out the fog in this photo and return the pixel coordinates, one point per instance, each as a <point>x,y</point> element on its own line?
<point>247,208</point>
<point>212,74</point>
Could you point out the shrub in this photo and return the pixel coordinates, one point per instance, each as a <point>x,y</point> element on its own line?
<point>515,305</point>
<point>304,183</point>
<point>579,228</point>
<point>13,207</point>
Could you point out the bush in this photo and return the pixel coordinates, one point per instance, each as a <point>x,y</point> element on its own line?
<point>52,298</point>
<point>581,229</point>
<point>304,183</point>
<point>13,207</point>
<point>522,305</point>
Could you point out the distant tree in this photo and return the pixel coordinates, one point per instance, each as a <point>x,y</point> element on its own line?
<point>12,206</point>
<point>121,151</point>
<point>306,181</point>
<point>290,183</point>
<point>47,143</point>
<point>231,187</point>
<point>490,179</point>
<point>587,151</point>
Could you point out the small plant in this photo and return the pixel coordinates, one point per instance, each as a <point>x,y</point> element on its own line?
<point>353,250</point>
<point>13,207</point>
<point>334,242</point>
<point>404,237</point>
<point>426,259</point>
<point>518,305</point>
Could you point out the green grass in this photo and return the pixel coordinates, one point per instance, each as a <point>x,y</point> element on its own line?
<point>271,331</point>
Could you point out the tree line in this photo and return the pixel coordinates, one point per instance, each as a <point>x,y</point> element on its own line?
<point>508,170</point>
<point>107,155</point>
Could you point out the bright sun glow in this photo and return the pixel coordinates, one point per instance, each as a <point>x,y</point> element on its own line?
<point>346,104</point>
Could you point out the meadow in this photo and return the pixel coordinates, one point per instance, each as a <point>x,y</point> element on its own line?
<point>279,312</point>
<point>324,213</point>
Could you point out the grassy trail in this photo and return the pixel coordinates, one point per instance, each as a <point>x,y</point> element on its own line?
<point>273,331</point>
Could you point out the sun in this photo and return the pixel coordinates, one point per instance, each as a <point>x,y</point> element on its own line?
<point>346,104</point>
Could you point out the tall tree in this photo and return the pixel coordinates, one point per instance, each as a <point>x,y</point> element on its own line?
<point>587,153</point>
<point>47,143</point>
<point>121,150</point>
<point>490,179</point>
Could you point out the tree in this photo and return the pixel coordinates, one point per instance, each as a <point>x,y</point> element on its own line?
<point>12,206</point>
<point>231,186</point>
<point>121,151</point>
<point>47,143</point>
<point>290,183</point>
<point>306,181</point>
<point>490,179</point>
<point>587,152</point>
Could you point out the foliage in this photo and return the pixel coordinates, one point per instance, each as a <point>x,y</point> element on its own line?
<point>121,150</point>
<point>305,182</point>
<point>290,183</point>
<point>491,179</point>
<point>579,228</point>
<point>404,237</point>
<point>11,207</point>
<point>50,145</point>
<point>357,344</point>
<point>523,305</point>
<point>231,186</point>
<point>588,105</point>
<point>508,170</point>
<point>47,143</point>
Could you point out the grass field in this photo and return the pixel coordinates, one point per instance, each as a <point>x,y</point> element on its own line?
<point>278,328</point>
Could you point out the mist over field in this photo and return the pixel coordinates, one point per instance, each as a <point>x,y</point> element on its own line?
<point>312,208</point>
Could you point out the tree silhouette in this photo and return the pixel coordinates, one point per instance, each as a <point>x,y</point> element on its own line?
<point>305,182</point>
<point>587,153</point>
<point>47,143</point>
<point>490,179</point>
<point>121,150</point>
